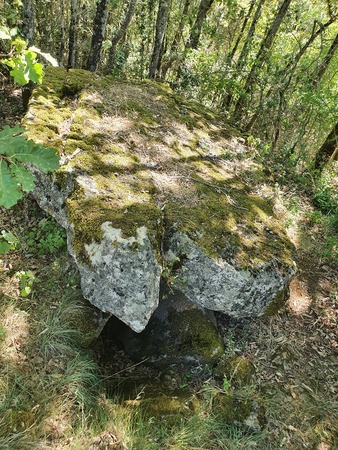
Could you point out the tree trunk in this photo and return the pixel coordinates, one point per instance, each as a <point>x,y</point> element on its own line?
<point>227,100</point>
<point>98,35</point>
<point>289,71</point>
<point>28,28</point>
<point>231,55</point>
<point>61,48</point>
<point>119,36</point>
<point>161,25</point>
<point>326,61</point>
<point>72,34</point>
<point>328,150</point>
<point>28,31</point>
<point>196,30</point>
<point>261,55</point>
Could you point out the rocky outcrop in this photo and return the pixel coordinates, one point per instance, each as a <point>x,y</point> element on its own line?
<point>152,185</point>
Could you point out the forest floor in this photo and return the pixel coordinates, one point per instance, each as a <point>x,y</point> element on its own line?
<point>294,353</point>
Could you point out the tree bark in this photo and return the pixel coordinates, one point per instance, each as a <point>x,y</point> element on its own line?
<point>261,55</point>
<point>161,25</point>
<point>227,100</point>
<point>61,48</point>
<point>290,70</point>
<point>98,35</point>
<point>328,150</point>
<point>72,34</point>
<point>119,36</point>
<point>326,61</point>
<point>28,25</point>
<point>231,55</point>
<point>196,30</point>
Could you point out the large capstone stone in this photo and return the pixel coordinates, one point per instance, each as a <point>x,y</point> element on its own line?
<point>151,186</point>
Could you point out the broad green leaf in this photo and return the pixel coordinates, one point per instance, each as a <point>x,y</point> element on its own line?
<point>11,131</point>
<point>4,247</point>
<point>34,69</point>
<point>9,192</point>
<point>45,159</point>
<point>24,177</point>
<point>9,237</point>
<point>17,147</point>
<point>47,56</point>
<point>19,69</point>
<point>19,45</point>
<point>25,291</point>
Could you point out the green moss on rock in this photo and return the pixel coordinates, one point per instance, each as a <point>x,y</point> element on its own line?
<point>147,150</point>
<point>238,370</point>
<point>198,336</point>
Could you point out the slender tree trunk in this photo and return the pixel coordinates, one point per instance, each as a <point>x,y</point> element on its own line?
<point>227,100</point>
<point>72,34</point>
<point>231,55</point>
<point>290,71</point>
<point>328,150</point>
<point>28,26</point>
<point>326,62</point>
<point>261,56</point>
<point>174,46</point>
<point>61,49</point>
<point>119,36</point>
<point>28,31</point>
<point>98,35</point>
<point>161,25</point>
<point>196,30</point>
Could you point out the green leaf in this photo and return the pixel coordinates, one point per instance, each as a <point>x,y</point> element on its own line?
<point>33,69</point>
<point>24,177</point>
<point>16,146</point>
<point>9,237</point>
<point>9,192</point>
<point>25,291</point>
<point>4,247</point>
<point>19,70</point>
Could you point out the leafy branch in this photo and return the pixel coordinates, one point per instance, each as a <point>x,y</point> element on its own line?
<point>16,151</point>
<point>22,60</point>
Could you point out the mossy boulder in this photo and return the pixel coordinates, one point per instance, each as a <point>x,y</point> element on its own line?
<point>146,187</point>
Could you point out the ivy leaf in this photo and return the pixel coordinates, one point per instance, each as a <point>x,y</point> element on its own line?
<point>24,177</point>
<point>9,192</point>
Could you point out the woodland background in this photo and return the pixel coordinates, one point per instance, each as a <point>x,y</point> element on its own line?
<point>269,66</point>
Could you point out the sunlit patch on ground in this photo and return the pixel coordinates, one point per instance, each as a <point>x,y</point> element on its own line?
<point>299,302</point>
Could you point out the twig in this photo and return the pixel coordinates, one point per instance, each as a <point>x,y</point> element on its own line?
<point>216,187</point>
<point>123,370</point>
